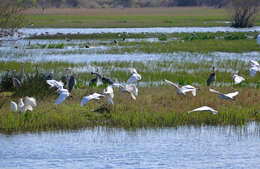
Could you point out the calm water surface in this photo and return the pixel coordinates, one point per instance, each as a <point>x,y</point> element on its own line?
<point>51,31</point>
<point>185,147</point>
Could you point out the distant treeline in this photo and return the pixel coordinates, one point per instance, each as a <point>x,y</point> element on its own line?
<point>119,3</point>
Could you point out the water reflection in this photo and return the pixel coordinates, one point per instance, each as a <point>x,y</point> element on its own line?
<point>183,147</point>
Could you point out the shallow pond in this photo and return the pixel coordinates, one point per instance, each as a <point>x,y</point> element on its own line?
<point>52,31</point>
<point>185,147</point>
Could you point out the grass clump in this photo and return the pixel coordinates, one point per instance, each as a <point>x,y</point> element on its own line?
<point>56,46</point>
<point>155,107</point>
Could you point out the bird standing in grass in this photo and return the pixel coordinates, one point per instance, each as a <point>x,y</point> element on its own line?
<point>212,77</point>
<point>72,82</point>
<point>28,105</point>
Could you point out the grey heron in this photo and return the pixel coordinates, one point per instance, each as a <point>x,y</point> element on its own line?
<point>212,77</point>
<point>72,82</point>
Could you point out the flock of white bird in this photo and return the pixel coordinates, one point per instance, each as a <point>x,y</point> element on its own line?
<point>131,88</point>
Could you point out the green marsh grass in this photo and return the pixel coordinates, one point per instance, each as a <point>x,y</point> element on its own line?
<point>154,107</point>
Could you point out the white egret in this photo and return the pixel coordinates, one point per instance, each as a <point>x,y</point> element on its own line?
<point>225,96</point>
<point>54,83</point>
<point>254,63</point>
<point>212,77</point>
<point>63,94</point>
<point>254,67</point>
<point>184,89</point>
<point>238,79</point>
<point>258,39</point>
<point>26,108</point>
<point>20,105</point>
<point>128,88</point>
<point>204,109</point>
<point>94,96</point>
<point>13,106</point>
<point>30,101</point>
<point>109,94</point>
<point>134,76</point>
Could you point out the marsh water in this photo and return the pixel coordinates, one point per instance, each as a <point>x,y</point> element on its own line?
<point>183,147</point>
<point>51,31</point>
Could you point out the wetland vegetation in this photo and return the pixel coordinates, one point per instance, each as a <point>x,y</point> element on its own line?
<point>184,58</point>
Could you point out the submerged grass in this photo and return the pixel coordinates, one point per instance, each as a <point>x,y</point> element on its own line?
<point>153,72</point>
<point>155,107</point>
<point>203,46</point>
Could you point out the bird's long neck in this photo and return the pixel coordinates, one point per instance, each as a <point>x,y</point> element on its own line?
<point>22,75</point>
<point>37,70</point>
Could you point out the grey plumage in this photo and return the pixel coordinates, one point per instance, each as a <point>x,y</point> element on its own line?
<point>98,77</point>
<point>16,82</point>
<point>72,82</point>
<point>106,80</point>
<point>50,76</point>
<point>93,82</point>
<point>212,77</point>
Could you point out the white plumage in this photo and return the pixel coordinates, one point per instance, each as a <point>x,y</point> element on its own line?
<point>134,76</point>
<point>238,79</point>
<point>54,83</point>
<point>258,39</point>
<point>63,94</point>
<point>225,96</point>
<point>13,106</point>
<point>254,67</point>
<point>94,96</point>
<point>204,109</point>
<point>128,88</point>
<point>184,89</point>
<point>109,91</point>
<point>30,102</point>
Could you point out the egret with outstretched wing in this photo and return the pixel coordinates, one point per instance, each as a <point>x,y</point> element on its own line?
<point>225,96</point>
<point>94,96</point>
<point>204,109</point>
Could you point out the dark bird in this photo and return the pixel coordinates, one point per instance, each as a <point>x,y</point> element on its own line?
<point>106,80</point>
<point>212,77</point>
<point>50,76</point>
<point>115,41</point>
<point>15,81</point>
<point>72,82</point>
<point>65,78</point>
<point>94,82</point>
<point>23,78</point>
